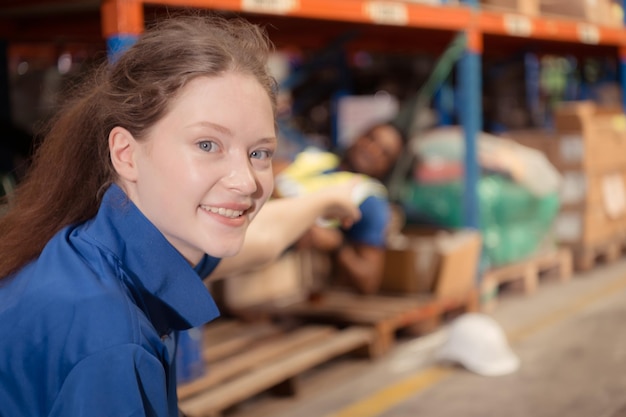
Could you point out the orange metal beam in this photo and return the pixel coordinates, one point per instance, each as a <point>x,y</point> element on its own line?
<point>122,17</point>
<point>474,41</point>
<point>451,18</point>
<point>126,17</point>
<point>381,12</point>
<point>565,30</point>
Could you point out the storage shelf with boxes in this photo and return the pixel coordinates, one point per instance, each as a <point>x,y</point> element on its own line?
<point>601,12</point>
<point>588,147</point>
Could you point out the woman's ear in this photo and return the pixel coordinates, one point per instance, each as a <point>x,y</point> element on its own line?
<point>122,148</point>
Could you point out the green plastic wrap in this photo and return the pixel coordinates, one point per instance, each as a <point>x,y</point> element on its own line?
<point>514,222</point>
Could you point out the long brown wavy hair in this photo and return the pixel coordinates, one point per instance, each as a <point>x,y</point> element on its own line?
<point>72,167</point>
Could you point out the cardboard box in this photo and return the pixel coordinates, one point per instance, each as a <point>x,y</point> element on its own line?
<point>590,137</point>
<point>285,281</point>
<point>442,263</point>
<point>622,222</point>
<point>593,207</point>
<point>596,144</point>
<point>597,148</point>
<point>580,188</point>
<point>583,226</point>
<point>528,7</point>
<point>592,167</point>
<point>541,140</point>
<point>593,11</point>
<point>588,225</point>
<point>576,189</point>
<point>459,260</point>
<point>410,265</point>
<point>613,14</point>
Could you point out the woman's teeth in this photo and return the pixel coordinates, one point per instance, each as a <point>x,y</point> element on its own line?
<point>224,212</point>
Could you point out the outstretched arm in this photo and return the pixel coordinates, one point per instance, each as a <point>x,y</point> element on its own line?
<point>283,221</point>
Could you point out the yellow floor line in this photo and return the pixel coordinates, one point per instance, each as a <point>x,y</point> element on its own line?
<point>568,310</point>
<point>393,395</point>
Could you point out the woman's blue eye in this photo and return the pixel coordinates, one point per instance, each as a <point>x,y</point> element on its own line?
<point>207,146</point>
<point>261,154</point>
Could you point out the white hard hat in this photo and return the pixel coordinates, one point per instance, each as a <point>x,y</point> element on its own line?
<point>476,341</point>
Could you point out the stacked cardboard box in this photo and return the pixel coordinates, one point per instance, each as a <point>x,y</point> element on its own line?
<point>591,154</point>
<point>600,12</point>
<point>589,150</point>
<point>287,280</point>
<point>528,7</point>
<point>439,263</point>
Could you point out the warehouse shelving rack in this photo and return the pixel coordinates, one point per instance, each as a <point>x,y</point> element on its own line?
<point>123,21</point>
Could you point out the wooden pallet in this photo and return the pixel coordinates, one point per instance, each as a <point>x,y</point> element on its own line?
<point>387,316</point>
<point>526,274</point>
<point>246,359</point>
<point>587,257</point>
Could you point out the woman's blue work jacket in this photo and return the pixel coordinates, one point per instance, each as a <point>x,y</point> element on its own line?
<point>86,329</point>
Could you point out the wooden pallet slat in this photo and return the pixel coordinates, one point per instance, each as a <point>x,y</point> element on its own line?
<point>223,344</point>
<point>526,274</point>
<point>385,315</point>
<point>229,393</point>
<point>529,271</point>
<point>386,303</point>
<point>587,257</point>
<point>329,309</point>
<point>264,351</point>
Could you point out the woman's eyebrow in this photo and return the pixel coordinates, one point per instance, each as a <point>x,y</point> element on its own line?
<point>214,126</point>
<point>270,139</point>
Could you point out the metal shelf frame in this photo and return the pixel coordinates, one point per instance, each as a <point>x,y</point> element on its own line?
<point>123,21</point>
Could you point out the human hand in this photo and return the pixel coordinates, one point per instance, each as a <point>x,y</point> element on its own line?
<point>339,202</point>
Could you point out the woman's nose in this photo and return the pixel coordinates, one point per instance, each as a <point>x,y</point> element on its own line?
<point>241,177</point>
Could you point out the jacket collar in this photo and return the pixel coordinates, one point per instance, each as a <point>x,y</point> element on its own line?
<point>163,284</point>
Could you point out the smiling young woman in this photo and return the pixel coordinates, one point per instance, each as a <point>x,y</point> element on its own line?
<point>148,176</point>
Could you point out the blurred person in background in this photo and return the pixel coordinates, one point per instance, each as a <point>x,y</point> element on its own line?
<point>357,253</point>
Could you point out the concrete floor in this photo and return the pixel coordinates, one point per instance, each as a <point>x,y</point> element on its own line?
<point>570,337</point>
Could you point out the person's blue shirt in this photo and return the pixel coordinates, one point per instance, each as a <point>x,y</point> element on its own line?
<point>85,328</point>
<point>371,228</point>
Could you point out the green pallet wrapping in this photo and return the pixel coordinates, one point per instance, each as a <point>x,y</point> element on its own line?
<point>513,221</point>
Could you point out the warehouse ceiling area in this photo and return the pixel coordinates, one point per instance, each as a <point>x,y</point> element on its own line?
<point>24,8</point>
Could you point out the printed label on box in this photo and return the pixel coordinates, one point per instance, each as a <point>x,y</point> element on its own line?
<point>358,113</point>
<point>386,12</point>
<point>568,227</point>
<point>571,148</point>
<point>613,195</point>
<point>270,6</point>
<point>618,123</point>
<point>573,187</point>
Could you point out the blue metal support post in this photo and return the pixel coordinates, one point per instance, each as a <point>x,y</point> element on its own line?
<point>471,119</point>
<point>122,23</point>
<point>444,103</point>
<point>116,44</point>
<point>470,113</point>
